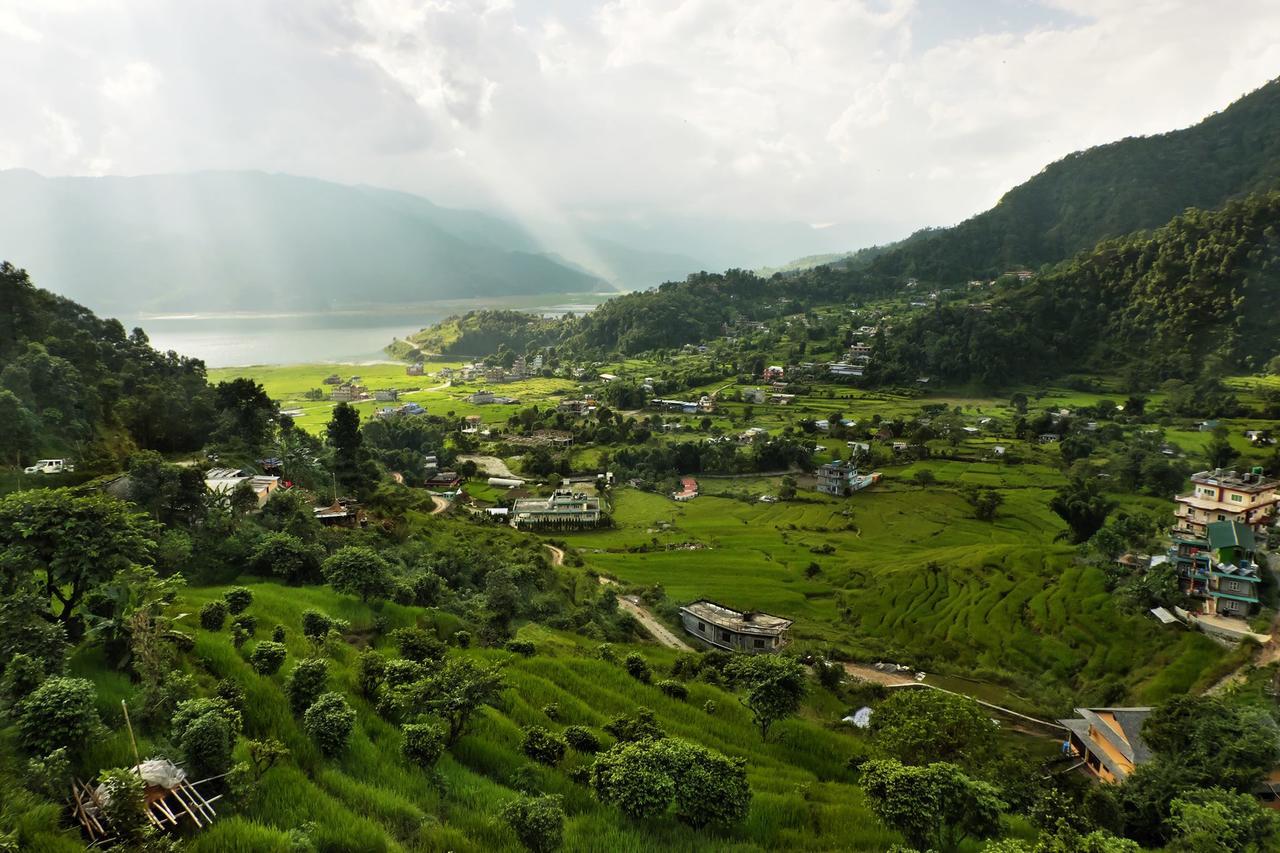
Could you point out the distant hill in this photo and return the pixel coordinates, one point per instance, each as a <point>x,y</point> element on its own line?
<point>244,241</point>
<point>1136,183</point>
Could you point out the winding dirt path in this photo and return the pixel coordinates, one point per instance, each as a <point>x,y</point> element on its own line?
<point>440,504</point>
<point>631,604</point>
<point>557,554</point>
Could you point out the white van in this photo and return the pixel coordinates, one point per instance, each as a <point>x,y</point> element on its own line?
<point>50,466</point>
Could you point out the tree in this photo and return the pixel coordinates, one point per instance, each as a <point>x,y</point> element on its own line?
<point>352,465</point>
<point>423,744</point>
<point>267,657</point>
<point>537,821</point>
<point>1219,450</point>
<point>1225,744</point>
<point>371,668</point>
<point>286,556</point>
<point>984,501</point>
<point>206,741</point>
<point>934,806</point>
<point>358,570</point>
<point>305,684</point>
<point>415,644</point>
<point>923,726</point>
<point>61,712</point>
<point>1207,821</point>
<point>69,544</point>
<point>329,721</point>
<point>787,488</point>
<point>774,687</point>
<point>245,414</point>
<point>542,746</point>
<point>643,778</point>
<point>455,693</point>
<point>639,726</point>
<point>263,755</point>
<point>1081,504</point>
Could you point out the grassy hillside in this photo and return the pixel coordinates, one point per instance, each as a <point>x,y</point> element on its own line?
<point>371,799</point>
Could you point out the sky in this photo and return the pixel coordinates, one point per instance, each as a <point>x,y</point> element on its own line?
<point>887,115</point>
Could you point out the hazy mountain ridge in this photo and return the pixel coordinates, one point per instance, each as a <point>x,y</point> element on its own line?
<point>236,241</point>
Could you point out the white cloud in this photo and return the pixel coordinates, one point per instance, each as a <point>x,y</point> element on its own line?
<point>805,110</point>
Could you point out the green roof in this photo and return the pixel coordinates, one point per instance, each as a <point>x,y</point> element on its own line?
<point>1230,534</point>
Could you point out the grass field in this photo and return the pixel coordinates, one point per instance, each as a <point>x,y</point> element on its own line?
<point>371,799</point>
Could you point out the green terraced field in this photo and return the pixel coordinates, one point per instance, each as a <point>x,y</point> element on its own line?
<point>912,577</point>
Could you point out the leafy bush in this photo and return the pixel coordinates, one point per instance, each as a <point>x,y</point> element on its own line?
<point>674,689</point>
<point>418,645</point>
<point>537,821</point>
<point>191,710</point>
<point>423,744</point>
<point>710,706</point>
<point>267,657</point>
<point>246,622</point>
<point>213,615</point>
<point>232,692</point>
<point>644,778</point>
<point>207,742</point>
<point>542,746</point>
<point>643,724</point>
<point>462,639</point>
<point>305,684</point>
<point>278,634</point>
<point>638,668</point>
<point>605,652</point>
<point>521,647</point>
<point>23,675</point>
<point>371,668</point>
<point>329,722</point>
<point>61,712</point>
<point>316,627</point>
<point>582,739</point>
<point>124,802</point>
<point>238,599</point>
<point>551,711</point>
<point>288,557</point>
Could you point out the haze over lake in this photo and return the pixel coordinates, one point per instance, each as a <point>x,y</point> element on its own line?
<point>339,335</point>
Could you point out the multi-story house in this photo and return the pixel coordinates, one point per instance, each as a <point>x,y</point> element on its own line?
<point>1219,569</point>
<point>565,509</point>
<point>1249,499</point>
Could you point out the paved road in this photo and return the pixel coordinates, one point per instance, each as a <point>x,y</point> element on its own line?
<point>631,604</point>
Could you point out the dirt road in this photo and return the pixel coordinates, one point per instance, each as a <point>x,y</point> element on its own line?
<point>440,504</point>
<point>491,465</point>
<point>631,604</point>
<point>557,554</point>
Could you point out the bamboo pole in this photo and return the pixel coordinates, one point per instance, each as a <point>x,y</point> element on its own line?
<point>137,767</point>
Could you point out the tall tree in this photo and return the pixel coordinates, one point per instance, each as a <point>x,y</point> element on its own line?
<point>66,545</point>
<point>773,685</point>
<point>1082,505</point>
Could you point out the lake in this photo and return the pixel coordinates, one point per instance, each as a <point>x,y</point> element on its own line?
<point>347,335</point>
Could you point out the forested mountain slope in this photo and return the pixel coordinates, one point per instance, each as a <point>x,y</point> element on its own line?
<point>1205,286</point>
<point>70,381</point>
<point>1088,196</point>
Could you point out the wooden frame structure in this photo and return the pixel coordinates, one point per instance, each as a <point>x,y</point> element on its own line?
<point>166,806</point>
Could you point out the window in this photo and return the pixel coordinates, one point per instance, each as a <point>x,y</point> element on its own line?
<point>1238,498</point>
<point>1221,517</point>
<point>1233,586</point>
<point>702,627</point>
<point>724,636</point>
<point>759,643</point>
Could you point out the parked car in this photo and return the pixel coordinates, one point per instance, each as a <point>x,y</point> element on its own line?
<point>50,466</point>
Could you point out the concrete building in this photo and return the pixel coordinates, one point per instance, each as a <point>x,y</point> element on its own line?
<point>565,509</point>
<point>1222,495</point>
<point>734,630</point>
<point>1220,569</point>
